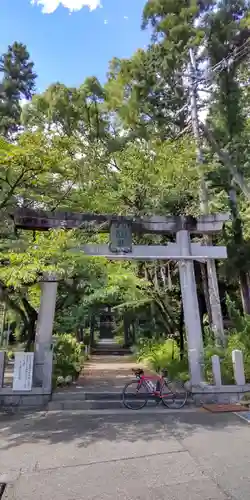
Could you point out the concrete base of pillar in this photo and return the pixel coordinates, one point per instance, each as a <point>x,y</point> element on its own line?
<point>209,394</point>
<point>13,402</point>
<point>43,368</point>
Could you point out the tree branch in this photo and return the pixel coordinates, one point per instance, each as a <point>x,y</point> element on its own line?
<point>226,160</point>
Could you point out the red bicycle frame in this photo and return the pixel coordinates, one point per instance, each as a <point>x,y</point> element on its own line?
<point>144,379</point>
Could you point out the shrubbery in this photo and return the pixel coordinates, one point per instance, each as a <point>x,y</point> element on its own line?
<point>68,359</point>
<point>119,340</point>
<point>237,338</point>
<point>225,363</point>
<point>165,354</point>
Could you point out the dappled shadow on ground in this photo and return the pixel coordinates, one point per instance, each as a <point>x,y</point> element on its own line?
<point>84,430</point>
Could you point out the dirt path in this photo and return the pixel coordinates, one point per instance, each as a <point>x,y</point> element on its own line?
<point>107,373</point>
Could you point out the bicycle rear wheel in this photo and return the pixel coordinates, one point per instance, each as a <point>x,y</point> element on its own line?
<point>135,395</point>
<point>173,394</point>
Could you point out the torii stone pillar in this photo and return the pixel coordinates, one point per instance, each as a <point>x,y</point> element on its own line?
<point>44,329</point>
<point>190,308</point>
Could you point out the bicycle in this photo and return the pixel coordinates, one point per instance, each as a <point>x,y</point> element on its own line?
<point>161,392</point>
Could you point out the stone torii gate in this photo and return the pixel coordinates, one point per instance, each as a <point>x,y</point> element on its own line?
<point>121,247</point>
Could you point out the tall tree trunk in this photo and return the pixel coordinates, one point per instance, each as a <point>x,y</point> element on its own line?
<point>181,332</point>
<point>225,159</point>
<point>133,331</point>
<point>203,292</point>
<point>244,291</point>
<point>92,330</point>
<point>31,332</point>
<point>80,332</point>
<point>203,311</point>
<point>31,327</point>
<point>126,328</point>
<point>206,295</point>
<point>239,241</point>
<point>5,297</point>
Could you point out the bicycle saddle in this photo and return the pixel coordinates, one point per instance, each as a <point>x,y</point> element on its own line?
<point>138,371</point>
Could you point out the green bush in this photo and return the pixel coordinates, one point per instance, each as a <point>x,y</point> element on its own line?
<point>10,355</point>
<point>163,355</point>
<point>86,336</point>
<point>237,339</point>
<point>119,339</point>
<point>68,357</point>
<point>225,363</point>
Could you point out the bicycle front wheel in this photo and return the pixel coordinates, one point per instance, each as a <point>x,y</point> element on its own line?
<point>134,395</point>
<point>174,395</point>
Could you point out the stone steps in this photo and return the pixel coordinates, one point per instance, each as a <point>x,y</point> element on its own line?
<point>80,404</point>
<point>110,350</point>
<point>109,347</point>
<point>81,400</point>
<point>82,395</point>
<point>102,405</point>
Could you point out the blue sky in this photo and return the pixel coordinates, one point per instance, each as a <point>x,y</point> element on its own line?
<point>69,45</point>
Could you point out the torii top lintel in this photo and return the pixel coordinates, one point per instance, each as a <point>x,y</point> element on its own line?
<point>43,221</point>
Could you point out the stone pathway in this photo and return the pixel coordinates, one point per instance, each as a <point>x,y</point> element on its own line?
<point>107,373</point>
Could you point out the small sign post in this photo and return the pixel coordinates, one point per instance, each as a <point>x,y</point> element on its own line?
<point>23,371</point>
<point>120,237</point>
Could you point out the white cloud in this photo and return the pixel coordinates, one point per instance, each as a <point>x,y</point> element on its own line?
<point>125,17</point>
<point>105,21</point>
<point>49,6</point>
